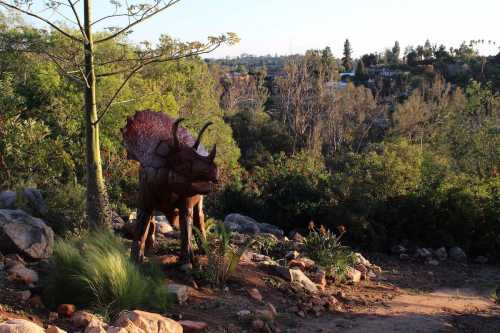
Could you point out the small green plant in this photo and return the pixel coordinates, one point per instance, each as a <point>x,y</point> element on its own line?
<point>496,295</point>
<point>223,257</point>
<point>325,248</point>
<point>265,244</point>
<point>95,271</point>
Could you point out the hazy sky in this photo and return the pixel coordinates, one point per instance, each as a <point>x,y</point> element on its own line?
<point>293,26</point>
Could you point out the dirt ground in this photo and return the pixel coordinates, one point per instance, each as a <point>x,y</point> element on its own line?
<point>406,297</point>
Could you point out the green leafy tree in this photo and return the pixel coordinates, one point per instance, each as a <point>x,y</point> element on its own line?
<point>82,62</point>
<point>347,58</point>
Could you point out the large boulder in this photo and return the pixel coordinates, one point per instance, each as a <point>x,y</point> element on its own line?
<point>20,326</point>
<point>247,225</point>
<point>148,322</point>
<point>7,199</point>
<point>25,234</point>
<point>35,201</point>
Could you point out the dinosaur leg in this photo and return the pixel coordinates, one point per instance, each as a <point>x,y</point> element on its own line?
<point>150,241</point>
<point>199,219</point>
<point>140,235</point>
<point>186,217</point>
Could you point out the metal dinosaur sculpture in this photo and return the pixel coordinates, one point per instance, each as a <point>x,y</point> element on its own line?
<point>175,171</point>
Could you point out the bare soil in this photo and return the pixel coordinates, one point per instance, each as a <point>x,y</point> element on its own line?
<point>406,297</point>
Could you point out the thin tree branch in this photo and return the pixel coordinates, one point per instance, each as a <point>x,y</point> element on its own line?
<point>5,4</point>
<point>146,15</point>
<point>72,5</point>
<point>140,66</point>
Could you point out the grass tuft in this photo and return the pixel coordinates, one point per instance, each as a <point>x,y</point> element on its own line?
<point>95,271</point>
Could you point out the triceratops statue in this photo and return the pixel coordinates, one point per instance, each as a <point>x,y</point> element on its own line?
<point>175,171</point>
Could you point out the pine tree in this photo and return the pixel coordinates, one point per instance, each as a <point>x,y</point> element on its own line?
<point>396,51</point>
<point>347,59</point>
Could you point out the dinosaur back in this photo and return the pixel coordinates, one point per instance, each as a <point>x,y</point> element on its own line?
<point>145,130</point>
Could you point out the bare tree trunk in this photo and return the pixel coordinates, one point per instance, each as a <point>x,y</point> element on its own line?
<point>98,213</point>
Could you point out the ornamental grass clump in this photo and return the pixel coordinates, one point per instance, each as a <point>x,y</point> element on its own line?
<point>325,248</point>
<point>95,271</point>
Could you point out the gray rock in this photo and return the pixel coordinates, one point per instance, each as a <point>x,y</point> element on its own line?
<point>298,276</point>
<point>25,234</point>
<point>441,253</point>
<point>457,254</point>
<point>432,262</point>
<point>271,229</point>
<point>353,275</point>
<point>20,326</point>
<point>7,199</point>
<point>179,291</point>
<point>398,249</point>
<point>35,201</point>
<point>292,255</point>
<point>247,225</point>
<point>423,253</point>
<point>481,260</point>
<point>164,228</point>
<point>404,256</point>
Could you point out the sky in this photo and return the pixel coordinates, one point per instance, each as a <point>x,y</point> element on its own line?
<point>293,26</point>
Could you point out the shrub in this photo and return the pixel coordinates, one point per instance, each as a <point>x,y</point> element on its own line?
<point>66,205</point>
<point>222,256</point>
<point>95,271</point>
<point>325,248</point>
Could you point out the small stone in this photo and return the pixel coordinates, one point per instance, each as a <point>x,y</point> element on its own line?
<point>164,228</point>
<point>457,254</point>
<point>404,257</point>
<point>255,294</point>
<point>36,302</point>
<point>371,274</point>
<point>23,295</point>
<point>297,237</point>
<point>299,277</point>
<point>54,329</point>
<point>272,309</point>
<point>190,326</point>
<point>19,273</point>
<point>481,260</point>
<point>301,314</point>
<point>441,254</point>
<point>66,310</point>
<point>20,326</point>
<point>179,291</point>
<point>243,314</point>
<point>292,255</point>
<point>53,316</point>
<point>423,253</point>
<point>82,318</point>
<point>257,257</point>
<point>258,324</point>
<point>13,259</point>
<point>432,262</point>
<point>353,275</point>
<point>264,314</point>
<point>147,322</point>
<point>319,278</point>
<point>398,249</point>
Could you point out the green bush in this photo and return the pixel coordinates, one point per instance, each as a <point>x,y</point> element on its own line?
<point>325,248</point>
<point>95,271</point>
<point>66,205</point>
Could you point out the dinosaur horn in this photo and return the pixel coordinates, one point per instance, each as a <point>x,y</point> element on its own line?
<point>211,156</point>
<point>197,143</point>
<point>174,132</point>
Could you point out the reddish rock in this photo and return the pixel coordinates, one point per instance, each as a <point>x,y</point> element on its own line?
<point>66,310</point>
<point>255,294</point>
<point>82,318</point>
<point>36,302</point>
<point>190,326</point>
<point>54,329</point>
<point>19,273</point>
<point>148,322</point>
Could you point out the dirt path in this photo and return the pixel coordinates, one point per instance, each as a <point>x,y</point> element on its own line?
<point>442,308</point>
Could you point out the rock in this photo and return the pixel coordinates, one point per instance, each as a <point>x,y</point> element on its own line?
<point>239,239</point>
<point>23,233</point>
<point>54,329</point>
<point>190,326</point>
<point>292,255</point>
<point>353,275</point>
<point>247,225</point>
<point>272,309</point>
<point>243,314</point>
<point>35,201</point>
<point>264,314</point>
<point>164,228</point>
<point>258,325</point>
<point>13,259</point>
<point>398,249</point>
<point>359,259</point>
<point>132,216</point>
<point>319,278</point>
<point>441,254</point>
<point>371,274</point>
<point>97,326</point>
<point>20,273</point>
<point>36,302</point>
<point>66,310</point>
<point>457,254</point>
<point>8,199</point>
<point>432,262</point>
<point>53,316</point>
<point>299,277</point>
<point>255,294</point>
<point>423,253</point>
<point>302,263</point>
<point>297,237</point>
<point>148,322</point>
<point>257,257</point>
<point>179,291</point>
<point>481,260</point>
<point>83,318</point>
<point>241,223</point>
<point>20,326</point>
<point>404,256</point>
<point>22,295</point>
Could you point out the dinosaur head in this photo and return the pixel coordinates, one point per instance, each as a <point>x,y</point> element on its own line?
<point>188,162</point>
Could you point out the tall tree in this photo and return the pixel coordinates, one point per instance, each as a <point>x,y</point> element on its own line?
<point>347,59</point>
<point>84,65</point>
<point>396,51</point>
